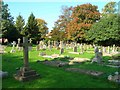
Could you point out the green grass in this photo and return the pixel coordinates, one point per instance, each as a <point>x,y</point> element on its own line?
<point>54,77</point>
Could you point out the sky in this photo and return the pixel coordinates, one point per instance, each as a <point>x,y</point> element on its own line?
<point>48,10</point>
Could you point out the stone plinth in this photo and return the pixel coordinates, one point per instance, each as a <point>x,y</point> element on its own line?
<point>25,74</point>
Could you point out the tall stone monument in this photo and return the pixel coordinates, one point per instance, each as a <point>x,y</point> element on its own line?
<point>25,73</point>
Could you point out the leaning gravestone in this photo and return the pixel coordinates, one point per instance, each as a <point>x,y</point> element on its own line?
<point>98,56</point>
<point>25,73</point>
<point>13,48</point>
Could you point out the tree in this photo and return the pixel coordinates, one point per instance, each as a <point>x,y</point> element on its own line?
<point>43,29</point>
<point>19,24</point>
<point>109,8</point>
<point>7,24</point>
<point>31,29</point>
<point>83,16</point>
<point>106,31</point>
<point>59,29</point>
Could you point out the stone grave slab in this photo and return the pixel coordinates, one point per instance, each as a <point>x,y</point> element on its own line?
<point>55,63</point>
<point>114,63</point>
<point>78,60</point>
<point>88,72</point>
<point>74,52</point>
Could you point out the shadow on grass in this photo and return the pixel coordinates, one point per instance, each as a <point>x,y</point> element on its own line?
<point>50,77</point>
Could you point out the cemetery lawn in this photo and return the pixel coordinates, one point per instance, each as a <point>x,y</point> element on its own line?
<point>55,77</point>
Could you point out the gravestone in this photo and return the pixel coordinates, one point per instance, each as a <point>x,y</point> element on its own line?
<point>18,45</point>
<point>25,73</point>
<point>2,49</point>
<point>104,50</point>
<point>108,49</point>
<point>13,47</point>
<point>41,43</point>
<point>113,50</point>
<point>75,48</point>
<point>55,44</point>
<point>37,48</point>
<point>81,49</point>
<point>49,45</point>
<point>61,51</point>
<point>61,47</point>
<point>98,56</point>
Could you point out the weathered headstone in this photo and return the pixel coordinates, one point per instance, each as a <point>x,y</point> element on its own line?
<point>104,50</point>
<point>113,50</point>
<point>2,49</point>
<point>61,47</point>
<point>41,43</point>
<point>49,45</point>
<point>98,56</point>
<point>18,45</point>
<point>75,47</point>
<point>13,47</point>
<point>25,73</point>
<point>81,48</point>
<point>108,49</point>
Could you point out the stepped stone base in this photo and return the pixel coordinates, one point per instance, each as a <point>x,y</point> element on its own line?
<point>26,74</point>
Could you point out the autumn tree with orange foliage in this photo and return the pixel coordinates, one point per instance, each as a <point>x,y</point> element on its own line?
<point>43,29</point>
<point>83,16</point>
<point>59,29</point>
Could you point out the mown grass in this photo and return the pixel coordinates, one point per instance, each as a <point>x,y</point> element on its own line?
<point>54,77</point>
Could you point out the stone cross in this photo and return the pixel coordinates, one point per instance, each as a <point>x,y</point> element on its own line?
<point>25,73</point>
<point>13,48</point>
<point>25,51</point>
<point>30,40</point>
